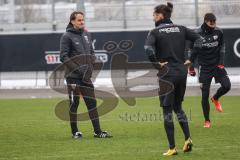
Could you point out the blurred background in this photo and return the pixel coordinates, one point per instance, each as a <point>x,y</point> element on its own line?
<point>30,31</point>
<point>52,15</point>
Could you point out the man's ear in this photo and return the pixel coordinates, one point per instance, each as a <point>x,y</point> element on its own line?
<point>161,16</point>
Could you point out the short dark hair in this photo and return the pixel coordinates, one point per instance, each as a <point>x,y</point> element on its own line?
<point>209,17</point>
<point>166,10</point>
<point>74,15</point>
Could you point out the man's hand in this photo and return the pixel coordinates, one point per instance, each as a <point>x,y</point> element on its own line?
<point>221,66</point>
<point>187,63</point>
<point>163,64</point>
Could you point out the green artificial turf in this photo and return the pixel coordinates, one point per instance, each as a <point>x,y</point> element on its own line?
<point>30,130</point>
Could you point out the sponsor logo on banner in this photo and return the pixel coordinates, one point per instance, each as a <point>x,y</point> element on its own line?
<point>236,48</point>
<point>53,57</point>
<point>101,56</point>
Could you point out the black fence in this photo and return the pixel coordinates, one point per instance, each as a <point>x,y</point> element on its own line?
<point>40,52</point>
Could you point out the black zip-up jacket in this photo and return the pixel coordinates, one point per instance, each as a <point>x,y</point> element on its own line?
<point>74,43</point>
<point>166,43</point>
<point>213,50</point>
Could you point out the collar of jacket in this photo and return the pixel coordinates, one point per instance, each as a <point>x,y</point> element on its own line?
<point>70,28</point>
<point>163,21</point>
<point>206,29</point>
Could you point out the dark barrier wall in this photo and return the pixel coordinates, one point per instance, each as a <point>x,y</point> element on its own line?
<point>39,52</point>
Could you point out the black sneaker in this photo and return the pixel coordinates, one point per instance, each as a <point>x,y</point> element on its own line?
<point>77,135</point>
<point>102,134</point>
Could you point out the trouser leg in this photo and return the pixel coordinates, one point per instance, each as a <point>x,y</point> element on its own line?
<point>169,125</point>
<point>225,87</point>
<point>87,91</point>
<point>73,92</point>
<point>205,100</point>
<point>182,119</point>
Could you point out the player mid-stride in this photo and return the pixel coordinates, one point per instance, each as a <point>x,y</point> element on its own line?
<point>211,62</point>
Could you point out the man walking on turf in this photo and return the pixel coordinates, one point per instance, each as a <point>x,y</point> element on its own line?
<point>75,42</point>
<point>165,47</point>
<point>211,62</point>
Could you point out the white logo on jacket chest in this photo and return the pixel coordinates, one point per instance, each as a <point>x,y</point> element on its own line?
<point>76,41</point>
<point>215,37</point>
<point>169,30</point>
<point>210,45</point>
<point>86,39</point>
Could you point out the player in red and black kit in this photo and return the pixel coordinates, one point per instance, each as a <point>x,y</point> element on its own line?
<point>211,62</point>
<point>165,47</point>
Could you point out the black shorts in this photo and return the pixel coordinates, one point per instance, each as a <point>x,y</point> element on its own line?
<point>176,96</point>
<point>206,76</point>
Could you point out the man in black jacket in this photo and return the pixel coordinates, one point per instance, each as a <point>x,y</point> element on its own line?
<point>77,53</point>
<point>165,47</point>
<point>211,62</point>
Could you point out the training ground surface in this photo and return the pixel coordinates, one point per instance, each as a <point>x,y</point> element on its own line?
<point>30,130</point>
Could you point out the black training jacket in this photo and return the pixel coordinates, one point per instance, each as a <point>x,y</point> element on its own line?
<point>74,43</point>
<point>213,49</point>
<point>166,43</point>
